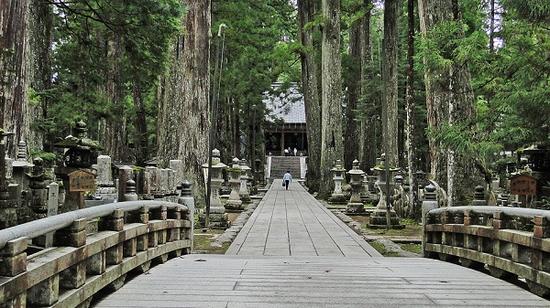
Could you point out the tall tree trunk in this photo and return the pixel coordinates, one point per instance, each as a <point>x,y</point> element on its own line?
<point>114,140</point>
<point>307,9</point>
<point>367,143</point>
<point>389,75</point>
<point>410,108</point>
<point>141,141</point>
<point>331,70</point>
<point>184,117</point>
<point>40,39</point>
<point>449,99</point>
<point>14,56</point>
<point>351,144</point>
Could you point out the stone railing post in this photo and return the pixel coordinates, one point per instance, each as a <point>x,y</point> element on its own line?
<point>541,228</point>
<point>429,203</point>
<point>74,236</point>
<point>187,199</point>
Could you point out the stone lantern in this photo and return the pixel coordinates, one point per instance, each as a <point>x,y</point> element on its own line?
<point>245,177</point>
<point>378,217</point>
<point>234,202</point>
<point>81,151</point>
<point>355,205</point>
<point>217,210</point>
<point>338,177</point>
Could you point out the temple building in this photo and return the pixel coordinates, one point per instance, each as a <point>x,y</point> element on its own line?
<point>286,120</point>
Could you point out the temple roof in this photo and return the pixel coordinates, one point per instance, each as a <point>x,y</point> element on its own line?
<point>286,105</point>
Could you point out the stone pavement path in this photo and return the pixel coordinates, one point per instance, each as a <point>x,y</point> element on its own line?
<point>294,223</point>
<point>294,253</point>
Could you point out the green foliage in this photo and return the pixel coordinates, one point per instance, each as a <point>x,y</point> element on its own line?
<point>103,46</point>
<point>46,156</point>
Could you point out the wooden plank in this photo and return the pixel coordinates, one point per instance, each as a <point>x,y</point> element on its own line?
<point>312,281</point>
<point>292,222</point>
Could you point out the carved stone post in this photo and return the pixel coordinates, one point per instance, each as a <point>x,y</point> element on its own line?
<point>429,203</point>
<point>186,198</point>
<point>234,202</point>
<point>355,205</point>
<point>106,189</point>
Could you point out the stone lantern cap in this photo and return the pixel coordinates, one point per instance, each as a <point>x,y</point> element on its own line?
<point>355,170</point>
<point>381,164</point>
<point>338,167</point>
<point>236,163</point>
<point>80,141</point>
<point>244,167</point>
<point>216,162</point>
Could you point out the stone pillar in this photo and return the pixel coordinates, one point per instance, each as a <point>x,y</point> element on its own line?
<point>186,198</point>
<point>355,205</point>
<point>165,181</point>
<point>177,166</point>
<point>124,174</point>
<point>106,189</point>
<point>338,177</point>
<point>245,177</point>
<point>429,203</point>
<point>52,206</point>
<point>218,218</point>
<point>234,202</point>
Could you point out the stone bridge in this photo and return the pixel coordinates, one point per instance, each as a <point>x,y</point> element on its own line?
<point>292,252</point>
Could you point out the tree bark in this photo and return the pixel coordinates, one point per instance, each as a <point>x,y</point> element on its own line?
<point>40,40</point>
<point>115,137</point>
<point>410,108</point>
<point>307,9</point>
<point>14,59</point>
<point>351,144</point>
<point>449,99</point>
<point>141,140</point>
<point>185,119</point>
<point>331,125</point>
<point>389,74</point>
<point>367,143</point>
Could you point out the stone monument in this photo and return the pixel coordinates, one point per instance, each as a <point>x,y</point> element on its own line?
<point>106,190</point>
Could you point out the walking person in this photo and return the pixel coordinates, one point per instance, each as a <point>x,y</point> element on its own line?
<point>287,179</point>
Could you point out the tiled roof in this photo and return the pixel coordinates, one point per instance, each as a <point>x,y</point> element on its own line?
<point>285,106</point>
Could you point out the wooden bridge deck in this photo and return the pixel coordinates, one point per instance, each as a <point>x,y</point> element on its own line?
<point>293,223</point>
<point>294,253</point>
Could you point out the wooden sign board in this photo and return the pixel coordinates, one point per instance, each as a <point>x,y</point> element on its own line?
<point>523,185</point>
<point>81,181</point>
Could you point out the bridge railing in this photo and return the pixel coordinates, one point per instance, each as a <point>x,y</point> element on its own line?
<point>512,243</point>
<point>126,236</point>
